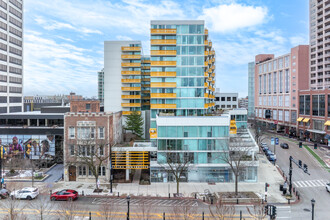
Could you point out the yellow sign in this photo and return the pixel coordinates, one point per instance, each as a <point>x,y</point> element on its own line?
<point>130,160</point>
<point>233,127</point>
<point>153,132</point>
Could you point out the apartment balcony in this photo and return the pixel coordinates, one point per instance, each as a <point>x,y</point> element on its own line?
<point>319,10</point>
<point>132,57</point>
<point>210,44</point>
<point>163,95</point>
<point>207,105</point>
<point>131,96</point>
<point>319,29</point>
<point>163,42</point>
<point>206,85</point>
<point>210,70</point>
<point>163,63</point>
<point>131,80</point>
<point>163,52</point>
<point>130,72</point>
<point>209,79</point>
<point>145,67</point>
<point>213,89</point>
<point>163,85</point>
<point>206,32</point>
<point>130,104</point>
<point>213,67</point>
<point>163,31</point>
<point>213,82</point>
<point>210,87</point>
<point>163,74</point>
<point>130,112</point>
<point>131,64</point>
<point>145,61</point>
<point>212,52</point>
<point>206,42</point>
<point>206,74</point>
<point>210,61</point>
<point>131,48</point>
<point>146,80</point>
<point>130,88</point>
<point>213,60</point>
<point>146,85</point>
<point>145,91</point>
<point>206,95</point>
<point>326,69</point>
<point>320,43</point>
<point>326,13</point>
<point>163,106</point>
<point>206,63</point>
<point>206,53</point>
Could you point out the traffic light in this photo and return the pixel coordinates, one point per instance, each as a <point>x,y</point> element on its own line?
<point>300,144</point>
<point>266,185</point>
<point>266,210</point>
<point>315,145</point>
<point>300,163</point>
<point>305,168</point>
<point>274,211</point>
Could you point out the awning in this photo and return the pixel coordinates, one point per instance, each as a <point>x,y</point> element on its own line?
<point>300,119</point>
<point>327,123</point>
<point>316,131</point>
<point>306,120</point>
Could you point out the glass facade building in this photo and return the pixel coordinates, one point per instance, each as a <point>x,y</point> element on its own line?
<point>251,71</point>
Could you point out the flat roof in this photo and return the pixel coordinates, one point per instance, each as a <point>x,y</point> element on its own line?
<point>177,22</point>
<point>193,120</point>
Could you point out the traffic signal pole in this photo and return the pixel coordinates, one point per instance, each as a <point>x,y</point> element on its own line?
<point>290,176</point>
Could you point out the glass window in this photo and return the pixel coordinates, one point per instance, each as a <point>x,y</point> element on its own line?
<point>171,131</point>
<point>71,132</point>
<point>192,29</point>
<point>101,132</point>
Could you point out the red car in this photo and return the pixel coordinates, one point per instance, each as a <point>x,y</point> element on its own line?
<point>66,194</point>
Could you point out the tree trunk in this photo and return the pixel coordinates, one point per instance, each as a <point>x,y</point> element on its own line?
<point>236,184</point>
<point>177,185</point>
<point>96,180</point>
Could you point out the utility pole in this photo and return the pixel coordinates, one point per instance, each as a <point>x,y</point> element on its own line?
<point>299,164</point>
<point>290,176</point>
<point>111,175</point>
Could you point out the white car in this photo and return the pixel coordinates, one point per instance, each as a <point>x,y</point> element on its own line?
<point>328,187</point>
<point>25,193</point>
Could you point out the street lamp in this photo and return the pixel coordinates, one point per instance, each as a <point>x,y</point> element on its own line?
<point>313,204</point>
<point>128,198</point>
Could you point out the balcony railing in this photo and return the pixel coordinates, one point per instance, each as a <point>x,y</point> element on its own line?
<point>130,72</point>
<point>163,106</point>
<point>131,80</point>
<point>130,64</point>
<point>130,112</point>
<point>130,96</point>
<point>163,31</point>
<point>130,88</point>
<point>163,84</point>
<point>163,74</point>
<point>163,42</point>
<point>163,63</point>
<point>162,95</point>
<point>128,56</point>
<point>206,32</point>
<point>131,48</point>
<point>130,104</point>
<point>163,52</point>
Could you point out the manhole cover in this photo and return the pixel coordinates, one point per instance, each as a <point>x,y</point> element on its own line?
<point>307,210</point>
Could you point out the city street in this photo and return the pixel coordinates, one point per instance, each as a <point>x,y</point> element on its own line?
<point>309,186</point>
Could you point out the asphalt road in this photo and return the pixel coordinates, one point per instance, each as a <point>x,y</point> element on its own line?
<point>310,186</point>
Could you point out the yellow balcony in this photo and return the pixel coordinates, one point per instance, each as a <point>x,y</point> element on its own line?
<point>209,79</point>
<point>210,87</point>
<point>210,44</point>
<point>213,60</point>
<point>163,84</point>
<point>210,61</point>
<point>206,42</point>
<point>131,80</point>
<point>162,95</point>
<point>163,106</point>
<point>146,103</point>
<point>130,88</point>
<point>213,89</point>
<point>130,64</point>
<point>206,95</point>
<point>145,61</point>
<point>205,85</point>
<point>130,112</point>
<point>213,67</point>
<point>145,74</point>
<point>163,74</point>
<point>131,48</point>
<point>206,74</point>
<point>130,72</point>
<point>163,42</point>
<point>130,104</point>
<point>128,56</point>
<point>163,31</point>
<point>145,67</point>
<point>163,52</point>
<point>206,32</point>
<point>206,105</point>
<point>212,52</point>
<point>206,53</point>
<point>146,85</point>
<point>163,63</point>
<point>210,70</point>
<point>146,80</point>
<point>130,96</point>
<point>145,91</point>
<point>213,75</point>
<point>206,63</point>
<point>213,82</point>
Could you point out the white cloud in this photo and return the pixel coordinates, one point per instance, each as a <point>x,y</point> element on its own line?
<point>121,37</point>
<point>298,40</point>
<point>230,17</point>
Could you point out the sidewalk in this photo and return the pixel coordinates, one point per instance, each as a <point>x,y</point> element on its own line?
<point>267,173</point>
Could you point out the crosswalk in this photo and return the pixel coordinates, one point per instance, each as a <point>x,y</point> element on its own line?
<point>147,202</point>
<point>310,183</point>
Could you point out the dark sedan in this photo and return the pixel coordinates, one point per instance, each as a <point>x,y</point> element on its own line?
<point>284,146</point>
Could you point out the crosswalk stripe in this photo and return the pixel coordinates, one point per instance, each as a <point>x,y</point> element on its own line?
<point>297,184</point>
<point>309,183</point>
<point>320,182</point>
<point>303,184</point>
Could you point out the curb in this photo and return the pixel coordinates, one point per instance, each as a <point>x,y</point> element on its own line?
<point>27,180</point>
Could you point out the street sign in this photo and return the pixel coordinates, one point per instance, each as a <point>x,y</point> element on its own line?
<point>276,141</point>
<point>272,141</point>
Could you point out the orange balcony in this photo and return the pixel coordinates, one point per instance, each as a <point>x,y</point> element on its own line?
<point>163,52</point>
<point>163,42</point>
<point>130,96</point>
<point>146,80</point>
<point>206,53</point>
<point>163,84</point>
<point>210,61</point>
<point>163,106</point>
<point>145,91</point>
<point>210,70</point>
<point>145,61</point>
<point>128,56</point>
<point>130,72</point>
<point>131,80</point>
<point>145,74</point>
<point>130,64</point>
<point>213,60</point>
<point>145,67</point>
<point>205,85</point>
<point>210,88</point>
<point>210,44</point>
<point>162,95</point>
<point>130,112</point>
<point>206,32</point>
<point>130,104</point>
<point>213,82</point>
<point>131,48</point>
<point>163,74</point>
<point>206,105</point>
<point>213,89</point>
<point>163,63</point>
<point>130,88</point>
<point>206,95</point>
<point>146,85</point>
<point>206,42</point>
<point>206,74</point>
<point>206,63</point>
<point>163,31</point>
<point>213,74</point>
<point>209,79</point>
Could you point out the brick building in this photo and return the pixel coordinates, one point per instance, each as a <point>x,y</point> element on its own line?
<point>85,106</point>
<point>84,132</point>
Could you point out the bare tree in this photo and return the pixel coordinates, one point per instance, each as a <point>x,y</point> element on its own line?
<point>145,209</point>
<point>90,153</point>
<point>179,164</point>
<point>108,211</point>
<point>43,207</point>
<point>186,212</point>
<point>259,131</point>
<point>221,211</point>
<point>69,210</point>
<point>257,211</point>
<point>238,154</point>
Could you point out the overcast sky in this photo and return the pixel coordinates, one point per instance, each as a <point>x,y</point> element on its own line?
<point>63,39</point>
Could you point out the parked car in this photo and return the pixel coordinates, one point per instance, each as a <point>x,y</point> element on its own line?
<point>271,157</point>
<point>4,193</point>
<point>66,194</point>
<point>265,148</point>
<point>284,146</point>
<point>328,187</point>
<point>267,152</point>
<point>25,193</point>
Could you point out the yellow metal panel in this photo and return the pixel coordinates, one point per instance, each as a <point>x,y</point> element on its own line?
<point>163,106</point>
<point>327,123</point>
<point>130,112</point>
<point>130,80</point>
<point>131,88</point>
<point>131,48</point>
<point>163,84</point>
<point>130,64</point>
<point>130,96</point>
<point>129,56</point>
<point>206,32</point>
<point>206,74</point>
<point>163,31</point>
<point>153,132</point>
<point>163,63</point>
<point>300,119</point>
<point>131,104</point>
<point>163,42</point>
<point>130,72</point>
<point>163,74</point>
<point>163,52</point>
<point>206,42</point>
<point>163,95</point>
<point>306,120</point>
<point>206,53</point>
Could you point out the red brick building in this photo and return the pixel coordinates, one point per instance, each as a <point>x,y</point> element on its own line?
<point>85,133</point>
<point>85,106</point>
